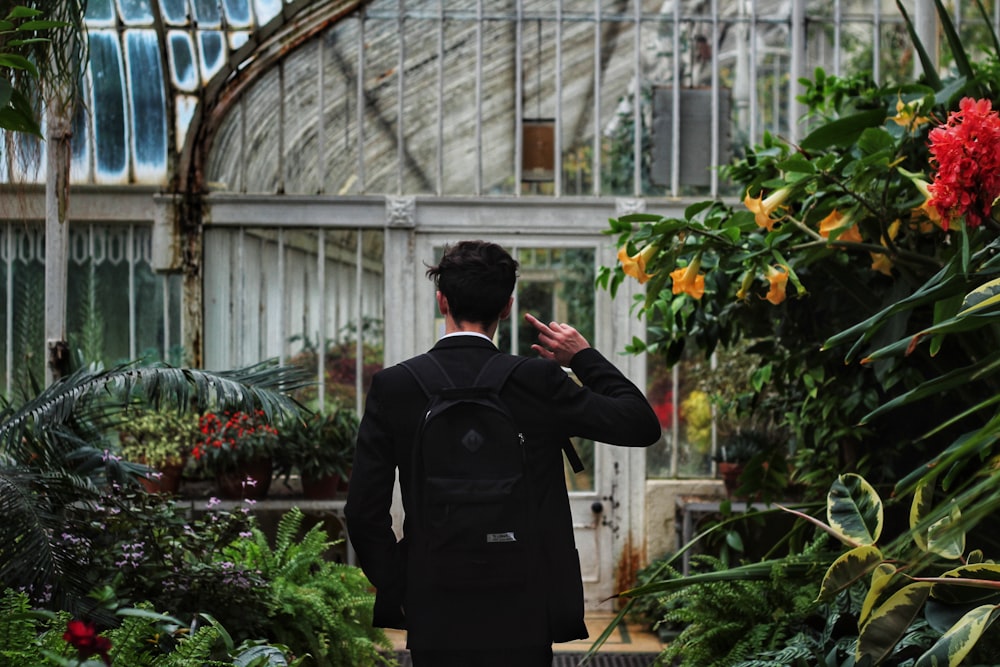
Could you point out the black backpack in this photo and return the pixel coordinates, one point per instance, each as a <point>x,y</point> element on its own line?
<point>474,520</point>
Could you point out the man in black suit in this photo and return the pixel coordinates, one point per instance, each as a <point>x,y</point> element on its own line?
<point>515,625</point>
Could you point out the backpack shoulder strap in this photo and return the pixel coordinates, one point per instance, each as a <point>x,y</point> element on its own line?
<point>428,372</point>
<point>494,374</point>
<point>496,370</point>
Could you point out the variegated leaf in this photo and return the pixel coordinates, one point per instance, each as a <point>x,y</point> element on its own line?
<point>882,576</point>
<point>888,623</point>
<point>854,510</point>
<point>983,296</point>
<point>967,591</point>
<point>923,503</point>
<point>956,643</point>
<point>945,536</point>
<point>847,569</point>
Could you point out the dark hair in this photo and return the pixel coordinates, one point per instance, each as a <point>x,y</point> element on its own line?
<point>477,278</point>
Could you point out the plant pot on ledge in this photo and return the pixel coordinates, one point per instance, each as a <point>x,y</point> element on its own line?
<point>249,481</point>
<point>165,479</point>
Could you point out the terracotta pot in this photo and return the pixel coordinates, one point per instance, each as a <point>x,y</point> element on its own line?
<point>251,481</point>
<point>169,480</point>
<point>730,473</point>
<point>321,488</point>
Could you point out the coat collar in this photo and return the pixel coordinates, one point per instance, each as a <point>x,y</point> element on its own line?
<point>455,342</point>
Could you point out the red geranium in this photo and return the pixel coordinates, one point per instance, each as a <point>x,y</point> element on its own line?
<point>966,152</point>
<point>82,635</point>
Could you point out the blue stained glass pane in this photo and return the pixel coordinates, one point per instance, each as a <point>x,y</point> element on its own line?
<point>212,53</point>
<point>149,113</point>
<point>174,12</point>
<point>184,74</point>
<point>109,106</point>
<point>80,146</point>
<point>100,12</point>
<point>206,12</point>
<point>266,10</point>
<point>237,13</point>
<point>135,12</point>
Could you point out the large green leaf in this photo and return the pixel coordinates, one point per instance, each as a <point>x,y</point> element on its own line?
<point>929,67</point>
<point>854,510</point>
<point>923,503</point>
<point>882,576</point>
<point>847,569</point>
<point>889,622</point>
<point>945,536</point>
<point>843,131</point>
<point>956,643</point>
<point>973,583</point>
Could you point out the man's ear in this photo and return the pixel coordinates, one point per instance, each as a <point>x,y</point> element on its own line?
<point>505,313</point>
<point>442,302</point>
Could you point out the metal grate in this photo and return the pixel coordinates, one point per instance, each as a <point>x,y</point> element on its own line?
<point>573,659</point>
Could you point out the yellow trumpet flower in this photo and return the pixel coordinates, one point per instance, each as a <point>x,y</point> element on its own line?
<point>778,277</point>
<point>635,265</point>
<point>762,209</point>
<point>842,224</point>
<point>688,280</point>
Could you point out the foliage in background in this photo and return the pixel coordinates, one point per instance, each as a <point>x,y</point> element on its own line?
<point>54,454</point>
<point>316,605</point>
<point>158,438</point>
<point>873,242</point>
<point>318,444</point>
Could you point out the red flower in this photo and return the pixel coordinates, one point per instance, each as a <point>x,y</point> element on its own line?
<point>82,635</point>
<point>966,152</point>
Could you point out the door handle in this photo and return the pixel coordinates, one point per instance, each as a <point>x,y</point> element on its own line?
<point>597,507</point>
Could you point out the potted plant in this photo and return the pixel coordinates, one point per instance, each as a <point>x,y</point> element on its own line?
<point>320,445</point>
<point>237,447</point>
<point>161,440</point>
<point>736,453</point>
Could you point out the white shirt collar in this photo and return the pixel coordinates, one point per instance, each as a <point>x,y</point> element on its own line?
<point>467,333</point>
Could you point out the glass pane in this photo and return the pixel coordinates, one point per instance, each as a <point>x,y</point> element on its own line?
<point>149,114</point>
<point>237,13</point>
<point>136,12</point>
<point>100,13</point>
<point>175,12</point>
<point>206,13</point>
<point>110,128</point>
<point>212,48</point>
<point>181,58</point>
<point>266,10</point>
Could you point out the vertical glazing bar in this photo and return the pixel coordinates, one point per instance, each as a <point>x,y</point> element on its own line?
<point>130,256</point>
<point>359,348</point>
<point>282,301</point>
<point>321,115</point>
<point>321,316</point>
<point>797,67</point>
<point>752,32</point>
<point>400,94</point>
<point>518,98</point>
<point>558,130</point>
<point>362,184</point>
<point>637,104</point>
<point>876,40</point>
<point>239,325</point>
<point>243,143</point>
<point>716,139</point>
<point>838,19</point>
<point>479,98</point>
<point>675,102</point>
<point>440,101</point>
<point>165,291</point>
<point>596,157</point>
<point>282,162</point>
<point>996,17</point>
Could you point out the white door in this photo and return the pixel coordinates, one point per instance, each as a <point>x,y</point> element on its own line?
<point>557,283</point>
